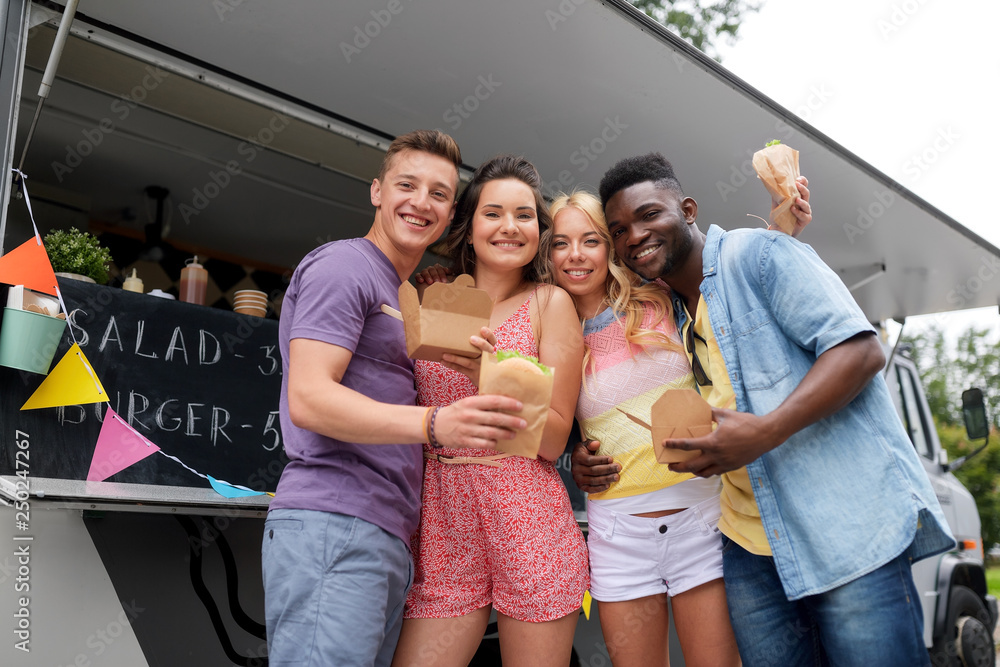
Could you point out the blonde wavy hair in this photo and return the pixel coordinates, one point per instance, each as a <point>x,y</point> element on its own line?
<point>628,295</point>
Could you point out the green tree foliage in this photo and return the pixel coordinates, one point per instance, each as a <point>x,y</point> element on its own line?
<point>974,361</point>
<point>945,374</point>
<point>700,22</point>
<point>978,360</point>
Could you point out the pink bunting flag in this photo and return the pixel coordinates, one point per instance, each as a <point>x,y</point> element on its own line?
<point>118,446</point>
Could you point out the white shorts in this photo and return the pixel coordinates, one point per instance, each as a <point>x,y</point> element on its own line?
<point>632,557</point>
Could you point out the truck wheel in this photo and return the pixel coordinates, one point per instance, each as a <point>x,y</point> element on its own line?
<point>966,641</point>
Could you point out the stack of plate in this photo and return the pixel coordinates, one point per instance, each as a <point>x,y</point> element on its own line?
<point>250,302</point>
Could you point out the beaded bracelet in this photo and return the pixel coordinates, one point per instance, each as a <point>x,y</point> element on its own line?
<point>432,439</point>
<point>427,424</point>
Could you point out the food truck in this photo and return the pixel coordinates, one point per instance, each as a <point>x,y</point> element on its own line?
<point>246,133</point>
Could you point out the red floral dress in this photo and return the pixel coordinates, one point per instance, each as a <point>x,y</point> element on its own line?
<point>502,536</point>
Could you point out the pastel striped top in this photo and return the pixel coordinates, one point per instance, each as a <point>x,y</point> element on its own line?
<point>632,380</point>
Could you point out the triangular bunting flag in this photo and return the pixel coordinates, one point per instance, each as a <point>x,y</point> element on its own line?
<point>72,382</point>
<point>231,491</point>
<point>118,446</point>
<point>29,265</point>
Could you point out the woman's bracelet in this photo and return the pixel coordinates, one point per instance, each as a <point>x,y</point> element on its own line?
<point>427,424</point>
<point>430,431</point>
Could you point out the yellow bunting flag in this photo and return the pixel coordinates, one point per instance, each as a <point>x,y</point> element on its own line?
<point>72,382</point>
<point>29,265</point>
<point>586,604</point>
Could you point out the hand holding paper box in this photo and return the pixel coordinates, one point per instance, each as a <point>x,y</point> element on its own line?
<point>523,380</point>
<point>448,315</point>
<point>777,166</point>
<point>679,413</point>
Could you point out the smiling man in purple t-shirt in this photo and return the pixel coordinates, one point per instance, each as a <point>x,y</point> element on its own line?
<point>336,560</point>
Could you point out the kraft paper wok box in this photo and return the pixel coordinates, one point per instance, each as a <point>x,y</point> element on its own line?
<point>679,413</point>
<point>532,387</point>
<point>444,319</point>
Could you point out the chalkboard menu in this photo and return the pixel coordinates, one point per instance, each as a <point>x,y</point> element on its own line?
<point>201,383</point>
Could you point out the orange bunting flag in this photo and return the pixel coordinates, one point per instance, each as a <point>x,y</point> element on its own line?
<point>118,446</point>
<point>29,265</point>
<point>72,382</point>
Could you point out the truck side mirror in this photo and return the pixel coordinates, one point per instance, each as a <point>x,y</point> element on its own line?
<point>976,425</point>
<point>974,412</point>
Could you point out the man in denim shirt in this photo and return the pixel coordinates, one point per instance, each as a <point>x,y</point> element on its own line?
<point>825,503</point>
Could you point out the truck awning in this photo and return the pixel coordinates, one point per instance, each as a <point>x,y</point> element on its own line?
<point>574,85</point>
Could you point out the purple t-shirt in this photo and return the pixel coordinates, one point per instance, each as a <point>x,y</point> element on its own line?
<point>335,296</point>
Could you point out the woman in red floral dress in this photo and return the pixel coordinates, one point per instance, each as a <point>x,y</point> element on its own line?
<point>498,531</point>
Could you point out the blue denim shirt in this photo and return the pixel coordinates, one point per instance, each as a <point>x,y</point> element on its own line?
<point>843,496</point>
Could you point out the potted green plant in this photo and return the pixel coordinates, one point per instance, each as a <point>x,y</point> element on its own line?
<point>78,254</point>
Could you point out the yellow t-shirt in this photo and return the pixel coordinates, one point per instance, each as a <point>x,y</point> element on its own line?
<point>740,520</point>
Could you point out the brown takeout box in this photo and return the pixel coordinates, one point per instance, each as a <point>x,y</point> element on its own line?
<point>445,319</point>
<point>777,167</point>
<point>679,413</point>
<point>532,389</point>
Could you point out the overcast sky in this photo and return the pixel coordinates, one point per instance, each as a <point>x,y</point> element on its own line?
<point>903,80</point>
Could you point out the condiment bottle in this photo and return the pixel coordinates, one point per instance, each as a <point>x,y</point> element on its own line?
<point>194,282</point>
<point>133,284</point>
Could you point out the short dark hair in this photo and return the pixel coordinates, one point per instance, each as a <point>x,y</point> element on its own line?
<point>501,167</point>
<point>434,142</point>
<point>639,169</point>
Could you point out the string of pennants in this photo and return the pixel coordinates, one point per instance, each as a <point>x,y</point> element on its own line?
<point>73,380</point>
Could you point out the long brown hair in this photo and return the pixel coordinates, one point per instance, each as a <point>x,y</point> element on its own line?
<point>501,167</point>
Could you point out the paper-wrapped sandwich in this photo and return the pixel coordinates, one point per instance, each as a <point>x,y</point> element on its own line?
<point>777,166</point>
<point>513,374</point>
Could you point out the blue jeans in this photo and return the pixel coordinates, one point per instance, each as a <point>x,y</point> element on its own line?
<point>334,588</point>
<point>873,620</point>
